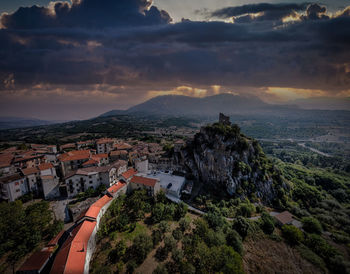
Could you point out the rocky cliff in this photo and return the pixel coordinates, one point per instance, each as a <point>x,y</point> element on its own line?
<point>219,155</point>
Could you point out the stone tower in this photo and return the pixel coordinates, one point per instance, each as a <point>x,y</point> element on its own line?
<point>225,120</point>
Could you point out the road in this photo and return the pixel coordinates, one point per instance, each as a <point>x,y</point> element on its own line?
<point>314,150</point>
<point>193,209</point>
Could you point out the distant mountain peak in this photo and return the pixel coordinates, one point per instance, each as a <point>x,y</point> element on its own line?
<point>198,106</point>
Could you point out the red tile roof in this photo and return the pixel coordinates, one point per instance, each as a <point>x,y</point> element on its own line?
<point>45,166</point>
<point>143,181</point>
<point>129,173</point>
<point>90,162</point>
<point>60,261</point>
<point>104,141</point>
<point>100,156</point>
<point>114,188</point>
<point>70,145</point>
<point>123,146</point>
<point>28,171</point>
<point>74,155</point>
<point>77,254</point>
<point>118,152</point>
<point>37,261</point>
<point>6,159</point>
<point>285,217</point>
<point>54,241</point>
<point>95,208</point>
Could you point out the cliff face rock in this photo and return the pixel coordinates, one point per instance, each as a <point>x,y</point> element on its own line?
<point>221,156</point>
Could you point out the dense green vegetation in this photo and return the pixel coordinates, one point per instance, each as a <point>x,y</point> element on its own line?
<point>181,244</point>
<point>23,228</point>
<point>122,126</point>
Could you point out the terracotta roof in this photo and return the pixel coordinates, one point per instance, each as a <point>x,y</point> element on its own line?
<point>11,178</point>
<point>6,159</point>
<point>77,254</point>
<point>123,146</point>
<point>285,217</point>
<point>28,171</point>
<point>129,173</point>
<point>37,261</point>
<point>60,261</point>
<point>90,162</point>
<point>70,145</point>
<point>54,241</point>
<point>118,152</point>
<point>74,155</point>
<point>45,166</point>
<point>27,157</point>
<point>99,156</point>
<point>104,141</point>
<point>95,208</point>
<point>114,188</point>
<point>143,181</point>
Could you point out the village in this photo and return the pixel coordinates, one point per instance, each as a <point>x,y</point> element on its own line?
<point>82,179</point>
<point>108,167</point>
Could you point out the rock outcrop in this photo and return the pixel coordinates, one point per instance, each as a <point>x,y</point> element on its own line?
<point>219,155</point>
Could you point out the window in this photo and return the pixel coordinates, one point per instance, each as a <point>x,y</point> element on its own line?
<point>16,183</point>
<point>90,182</point>
<point>89,176</point>
<point>17,190</point>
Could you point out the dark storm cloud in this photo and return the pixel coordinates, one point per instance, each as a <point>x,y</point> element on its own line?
<point>146,56</point>
<point>87,13</point>
<point>272,11</point>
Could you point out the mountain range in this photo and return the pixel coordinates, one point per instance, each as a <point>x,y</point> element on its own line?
<point>21,122</point>
<point>207,106</point>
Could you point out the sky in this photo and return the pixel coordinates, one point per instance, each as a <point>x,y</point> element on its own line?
<point>68,60</point>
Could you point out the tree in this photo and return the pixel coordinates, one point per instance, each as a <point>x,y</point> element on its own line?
<point>160,269</point>
<point>164,226</point>
<point>241,225</point>
<point>215,238</point>
<point>181,210</point>
<point>158,213</point>
<point>142,245</point>
<point>118,253</point>
<point>292,234</point>
<point>157,236</point>
<point>201,227</point>
<point>177,234</point>
<point>311,225</point>
<point>234,240</point>
<point>215,220</point>
<point>169,243</point>
<point>267,223</point>
<point>226,260</point>
<point>184,224</point>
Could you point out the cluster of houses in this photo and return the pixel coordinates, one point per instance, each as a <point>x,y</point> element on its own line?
<point>49,172</point>
<point>71,250</point>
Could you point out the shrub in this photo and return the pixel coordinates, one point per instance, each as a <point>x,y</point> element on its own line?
<point>234,240</point>
<point>142,245</point>
<point>184,224</point>
<point>267,223</point>
<point>292,234</point>
<point>160,269</point>
<point>177,234</point>
<point>241,225</point>
<point>311,225</point>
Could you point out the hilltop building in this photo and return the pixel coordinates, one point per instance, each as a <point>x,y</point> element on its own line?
<point>225,120</point>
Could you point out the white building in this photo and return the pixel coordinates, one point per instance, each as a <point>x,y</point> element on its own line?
<point>170,183</point>
<point>81,180</point>
<point>104,145</point>
<point>13,187</point>
<point>141,165</point>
